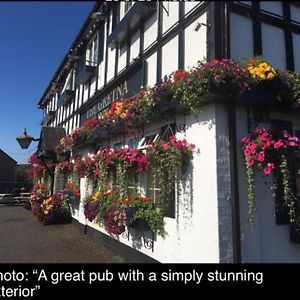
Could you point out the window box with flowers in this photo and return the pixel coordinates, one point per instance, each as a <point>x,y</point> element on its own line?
<point>118,127</point>
<point>166,94</point>
<point>100,134</point>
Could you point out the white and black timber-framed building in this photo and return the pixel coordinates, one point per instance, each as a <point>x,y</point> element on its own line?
<point>138,43</point>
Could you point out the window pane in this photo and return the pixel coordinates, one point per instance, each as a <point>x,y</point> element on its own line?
<point>241,37</point>
<point>167,131</point>
<point>274,7</point>
<point>276,55</point>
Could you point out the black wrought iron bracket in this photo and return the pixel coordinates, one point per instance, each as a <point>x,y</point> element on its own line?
<point>140,235</point>
<point>259,115</point>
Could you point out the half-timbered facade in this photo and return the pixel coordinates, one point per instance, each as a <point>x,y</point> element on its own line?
<point>125,45</point>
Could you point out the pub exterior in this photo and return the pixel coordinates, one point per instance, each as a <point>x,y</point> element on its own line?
<point>125,47</point>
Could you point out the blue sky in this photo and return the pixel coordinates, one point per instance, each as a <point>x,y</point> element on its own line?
<point>35,37</point>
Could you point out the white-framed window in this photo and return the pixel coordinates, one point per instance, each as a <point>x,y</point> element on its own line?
<point>152,184</point>
<point>92,51</point>
<point>124,8</point>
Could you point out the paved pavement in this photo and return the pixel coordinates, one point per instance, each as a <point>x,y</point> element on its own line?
<point>25,240</point>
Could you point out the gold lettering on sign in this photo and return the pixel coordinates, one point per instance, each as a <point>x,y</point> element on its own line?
<point>125,89</point>
<point>119,91</point>
<point>115,94</point>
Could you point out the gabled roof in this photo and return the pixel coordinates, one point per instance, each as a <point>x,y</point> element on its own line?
<point>5,154</point>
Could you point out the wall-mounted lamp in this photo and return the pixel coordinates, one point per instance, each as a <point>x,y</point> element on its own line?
<point>98,16</point>
<point>198,25</point>
<point>25,140</point>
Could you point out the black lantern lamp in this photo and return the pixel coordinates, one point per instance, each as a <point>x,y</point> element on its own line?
<point>25,140</point>
<point>49,138</point>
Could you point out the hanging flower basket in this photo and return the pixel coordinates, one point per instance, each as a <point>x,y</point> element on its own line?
<point>219,89</point>
<point>165,107</point>
<point>118,128</point>
<point>260,96</point>
<point>140,224</point>
<point>63,156</point>
<point>100,134</point>
<point>59,216</point>
<point>137,224</point>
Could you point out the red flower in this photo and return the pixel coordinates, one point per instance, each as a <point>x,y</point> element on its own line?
<point>252,62</point>
<point>250,161</point>
<point>179,75</point>
<point>260,156</point>
<point>278,144</point>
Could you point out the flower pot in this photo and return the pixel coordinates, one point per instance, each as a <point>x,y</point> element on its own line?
<point>118,128</point>
<point>136,123</point>
<point>184,165</point>
<point>63,156</point>
<point>140,224</point>
<point>220,89</point>
<point>27,205</point>
<point>100,134</point>
<point>165,107</point>
<point>294,235</point>
<point>259,96</point>
<point>62,216</point>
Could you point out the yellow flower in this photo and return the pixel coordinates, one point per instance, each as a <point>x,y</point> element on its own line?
<point>263,65</point>
<point>270,76</point>
<point>262,76</point>
<point>261,70</point>
<point>96,196</point>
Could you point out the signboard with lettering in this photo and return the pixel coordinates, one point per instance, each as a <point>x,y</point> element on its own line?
<point>124,88</point>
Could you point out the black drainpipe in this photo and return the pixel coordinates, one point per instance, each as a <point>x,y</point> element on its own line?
<point>234,184</point>
<point>231,114</point>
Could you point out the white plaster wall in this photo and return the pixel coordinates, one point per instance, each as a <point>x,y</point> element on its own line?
<point>111,63</point>
<point>195,43</point>
<point>266,242</point>
<point>93,86</point>
<point>189,5</point>
<point>274,7</point>
<point>150,31</point>
<point>122,52</point>
<point>170,57</point>
<point>76,99</point>
<point>85,92</point>
<point>296,45</point>
<point>135,45</point>
<point>109,20</point>
<point>101,70</point>
<point>151,69</point>
<point>241,37</point>
<point>170,19</point>
<point>272,36</point>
